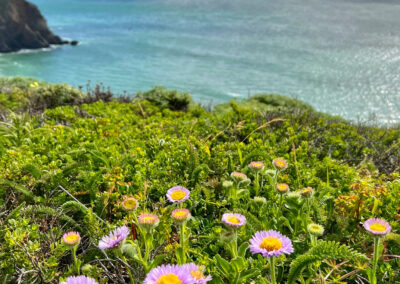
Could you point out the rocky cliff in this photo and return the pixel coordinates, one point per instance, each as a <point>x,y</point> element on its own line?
<point>22,26</point>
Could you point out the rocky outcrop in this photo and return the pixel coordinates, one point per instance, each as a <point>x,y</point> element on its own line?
<point>22,26</point>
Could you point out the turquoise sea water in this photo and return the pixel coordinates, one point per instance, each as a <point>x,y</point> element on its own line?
<point>341,56</point>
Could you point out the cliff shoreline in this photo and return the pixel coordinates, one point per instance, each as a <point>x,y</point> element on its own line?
<point>22,26</point>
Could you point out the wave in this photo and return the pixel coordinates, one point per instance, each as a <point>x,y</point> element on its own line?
<point>36,50</point>
<point>235,95</point>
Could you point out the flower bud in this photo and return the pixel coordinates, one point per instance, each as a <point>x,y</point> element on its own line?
<point>260,199</point>
<point>227,184</point>
<point>315,229</point>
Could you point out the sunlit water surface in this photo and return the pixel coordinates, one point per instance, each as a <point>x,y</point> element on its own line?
<point>341,56</point>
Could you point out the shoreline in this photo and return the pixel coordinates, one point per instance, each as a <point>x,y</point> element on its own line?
<point>208,104</point>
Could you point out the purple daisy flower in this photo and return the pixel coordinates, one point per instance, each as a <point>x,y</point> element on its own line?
<point>114,238</point>
<point>270,243</point>
<point>377,226</point>
<point>234,219</point>
<point>173,274</point>
<point>196,273</point>
<point>79,280</point>
<point>178,194</point>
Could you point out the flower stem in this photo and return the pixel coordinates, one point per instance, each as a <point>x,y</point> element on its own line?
<point>76,263</point>
<point>182,241</point>
<point>313,240</point>
<point>233,246</point>
<point>148,243</point>
<point>256,185</point>
<point>272,269</point>
<point>375,259</point>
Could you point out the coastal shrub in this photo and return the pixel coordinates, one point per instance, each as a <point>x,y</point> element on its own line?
<point>171,99</point>
<point>280,102</point>
<point>26,94</point>
<point>265,103</point>
<point>73,174</point>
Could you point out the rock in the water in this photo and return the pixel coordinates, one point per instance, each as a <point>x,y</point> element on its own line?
<point>22,26</point>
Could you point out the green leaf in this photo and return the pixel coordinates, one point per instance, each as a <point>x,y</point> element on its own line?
<point>180,255</point>
<point>239,264</point>
<point>242,249</point>
<point>223,265</point>
<point>216,280</point>
<point>34,171</point>
<point>249,273</point>
<point>323,250</point>
<point>157,260</point>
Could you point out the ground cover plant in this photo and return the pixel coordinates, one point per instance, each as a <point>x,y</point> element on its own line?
<point>156,189</point>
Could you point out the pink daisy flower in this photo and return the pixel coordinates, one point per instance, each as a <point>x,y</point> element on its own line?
<point>71,238</point>
<point>234,219</point>
<point>377,226</point>
<point>180,215</point>
<point>270,243</point>
<point>238,176</point>
<point>282,187</point>
<point>280,163</point>
<point>178,194</point>
<point>257,166</point>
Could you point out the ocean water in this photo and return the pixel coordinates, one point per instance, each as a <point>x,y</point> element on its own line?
<point>341,56</point>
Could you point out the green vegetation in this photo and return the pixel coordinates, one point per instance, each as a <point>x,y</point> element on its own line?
<point>103,150</point>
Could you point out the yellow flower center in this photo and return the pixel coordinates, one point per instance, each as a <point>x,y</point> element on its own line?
<point>282,187</point>
<point>130,204</point>
<point>233,219</point>
<point>169,279</point>
<point>148,219</point>
<point>197,274</point>
<point>72,238</point>
<point>271,243</point>
<point>178,195</point>
<point>280,164</point>
<point>377,227</point>
<point>113,238</point>
<point>180,213</point>
<point>306,190</point>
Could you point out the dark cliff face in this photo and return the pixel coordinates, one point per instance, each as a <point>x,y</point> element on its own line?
<point>22,26</point>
